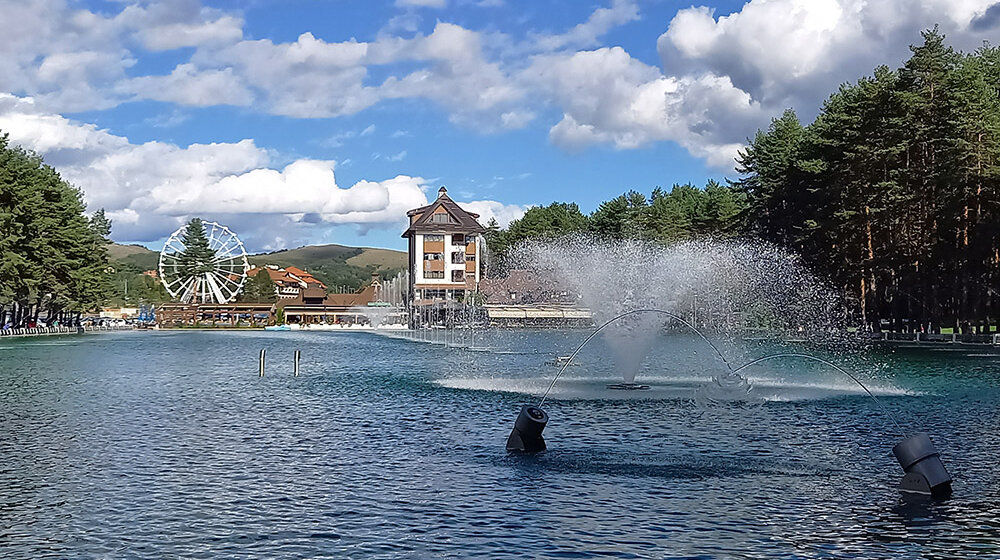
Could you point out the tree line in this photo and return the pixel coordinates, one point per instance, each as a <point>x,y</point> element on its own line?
<point>893,191</point>
<point>683,212</point>
<point>892,194</point>
<point>52,254</point>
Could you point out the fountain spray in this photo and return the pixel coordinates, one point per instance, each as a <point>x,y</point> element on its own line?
<point>526,437</point>
<point>925,473</point>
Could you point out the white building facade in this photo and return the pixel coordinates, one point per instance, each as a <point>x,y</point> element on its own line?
<point>445,251</point>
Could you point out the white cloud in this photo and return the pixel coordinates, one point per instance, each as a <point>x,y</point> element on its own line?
<point>586,34</point>
<point>459,79</point>
<point>150,189</point>
<point>187,86</point>
<point>504,214</point>
<point>796,52</point>
<point>609,97</point>
<point>309,78</point>
<point>721,77</point>
<point>223,30</point>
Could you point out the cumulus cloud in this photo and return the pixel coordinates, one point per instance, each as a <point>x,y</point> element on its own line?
<point>504,214</point>
<point>795,52</point>
<point>71,59</point>
<point>308,78</point>
<point>460,79</point>
<point>149,189</point>
<point>630,104</point>
<point>187,86</point>
<point>720,77</point>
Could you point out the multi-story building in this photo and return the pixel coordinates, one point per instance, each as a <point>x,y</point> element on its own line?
<point>291,282</point>
<point>445,251</point>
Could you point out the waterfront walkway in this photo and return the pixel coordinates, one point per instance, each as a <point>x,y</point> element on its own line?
<point>45,331</point>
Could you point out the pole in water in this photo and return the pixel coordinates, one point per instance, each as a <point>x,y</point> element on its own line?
<point>260,367</point>
<point>296,356</point>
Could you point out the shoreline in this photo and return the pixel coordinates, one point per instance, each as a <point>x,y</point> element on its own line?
<point>59,331</point>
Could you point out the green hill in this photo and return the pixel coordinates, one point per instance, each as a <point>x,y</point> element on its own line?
<point>337,266</point>
<point>134,258</point>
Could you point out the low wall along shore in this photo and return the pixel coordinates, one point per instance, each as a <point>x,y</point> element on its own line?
<point>44,331</point>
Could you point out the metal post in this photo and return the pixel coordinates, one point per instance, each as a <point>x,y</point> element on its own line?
<point>261,365</point>
<point>296,356</point>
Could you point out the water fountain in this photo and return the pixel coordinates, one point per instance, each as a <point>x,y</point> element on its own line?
<point>724,287</point>
<point>627,284</point>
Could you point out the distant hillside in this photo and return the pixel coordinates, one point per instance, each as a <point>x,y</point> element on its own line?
<point>338,265</point>
<point>335,265</point>
<point>135,258</point>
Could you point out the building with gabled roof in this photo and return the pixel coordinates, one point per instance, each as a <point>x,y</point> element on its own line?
<point>445,243</point>
<point>290,282</point>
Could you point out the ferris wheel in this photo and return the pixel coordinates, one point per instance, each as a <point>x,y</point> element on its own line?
<point>203,262</point>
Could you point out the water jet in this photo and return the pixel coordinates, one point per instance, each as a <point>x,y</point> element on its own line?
<point>925,473</point>
<point>526,437</point>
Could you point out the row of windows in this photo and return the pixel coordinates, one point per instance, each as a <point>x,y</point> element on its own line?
<point>456,258</point>
<point>456,275</point>
<point>456,238</point>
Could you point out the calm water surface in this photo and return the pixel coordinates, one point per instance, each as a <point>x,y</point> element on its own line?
<point>168,445</point>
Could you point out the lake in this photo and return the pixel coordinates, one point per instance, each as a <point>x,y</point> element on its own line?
<point>168,444</point>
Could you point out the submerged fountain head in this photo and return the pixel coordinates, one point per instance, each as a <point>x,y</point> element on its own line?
<point>526,437</point>
<point>628,387</point>
<point>925,473</point>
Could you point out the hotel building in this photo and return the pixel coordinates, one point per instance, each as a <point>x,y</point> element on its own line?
<point>445,251</point>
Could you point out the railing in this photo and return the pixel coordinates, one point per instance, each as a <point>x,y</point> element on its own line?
<point>41,331</point>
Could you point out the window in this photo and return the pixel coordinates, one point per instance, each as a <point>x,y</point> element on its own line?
<point>433,237</point>
<point>441,218</point>
<point>457,257</point>
<point>433,294</point>
<point>457,276</point>
<point>470,257</point>
<point>432,275</point>
<point>433,256</point>
<point>458,239</point>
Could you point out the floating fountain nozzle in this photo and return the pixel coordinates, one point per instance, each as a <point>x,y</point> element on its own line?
<point>628,387</point>
<point>925,473</point>
<point>526,437</point>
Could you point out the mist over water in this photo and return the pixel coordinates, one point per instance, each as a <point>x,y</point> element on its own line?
<point>727,289</point>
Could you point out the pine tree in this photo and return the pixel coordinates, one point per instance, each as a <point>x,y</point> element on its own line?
<point>197,256</point>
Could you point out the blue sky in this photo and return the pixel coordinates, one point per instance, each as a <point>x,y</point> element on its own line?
<point>303,121</point>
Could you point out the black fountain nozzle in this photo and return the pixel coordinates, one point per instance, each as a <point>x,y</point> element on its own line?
<point>526,437</point>
<point>925,473</point>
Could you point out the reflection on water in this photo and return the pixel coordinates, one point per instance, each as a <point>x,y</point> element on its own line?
<point>152,445</point>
